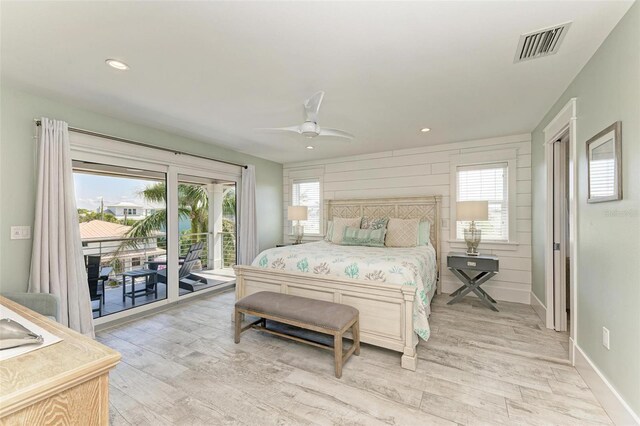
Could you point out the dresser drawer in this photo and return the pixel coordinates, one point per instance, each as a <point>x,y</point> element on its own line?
<point>473,263</point>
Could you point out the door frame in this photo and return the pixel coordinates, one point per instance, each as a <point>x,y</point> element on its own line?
<point>564,121</point>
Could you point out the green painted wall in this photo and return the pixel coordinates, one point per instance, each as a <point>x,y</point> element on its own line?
<point>607,89</point>
<point>18,174</point>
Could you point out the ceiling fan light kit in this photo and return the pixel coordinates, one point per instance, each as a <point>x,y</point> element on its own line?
<point>310,128</point>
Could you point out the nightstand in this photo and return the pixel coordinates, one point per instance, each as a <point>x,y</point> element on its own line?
<point>486,266</point>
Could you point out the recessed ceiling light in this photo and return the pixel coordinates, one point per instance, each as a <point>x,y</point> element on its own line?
<point>425,129</point>
<point>119,65</point>
<point>309,147</point>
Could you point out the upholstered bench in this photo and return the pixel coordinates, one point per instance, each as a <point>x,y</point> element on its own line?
<point>309,314</point>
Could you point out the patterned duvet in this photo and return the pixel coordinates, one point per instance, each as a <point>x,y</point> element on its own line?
<point>415,266</point>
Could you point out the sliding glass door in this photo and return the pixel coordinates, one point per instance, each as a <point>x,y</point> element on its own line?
<point>206,232</point>
<point>155,226</point>
<point>123,227</point>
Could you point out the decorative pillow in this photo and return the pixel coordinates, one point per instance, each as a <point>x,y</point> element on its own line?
<point>424,233</point>
<point>329,233</point>
<point>363,237</point>
<point>374,222</point>
<point>402,233</point>
<point>339,224</point>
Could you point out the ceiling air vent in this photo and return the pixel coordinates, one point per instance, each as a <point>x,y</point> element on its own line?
<point>541,43</point>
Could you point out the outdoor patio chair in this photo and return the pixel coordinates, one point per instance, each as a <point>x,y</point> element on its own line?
<point>186,279</point>
<point>96,285</point>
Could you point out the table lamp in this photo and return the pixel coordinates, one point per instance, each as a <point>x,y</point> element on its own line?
<point>297,213</point>
<point>472,211</point>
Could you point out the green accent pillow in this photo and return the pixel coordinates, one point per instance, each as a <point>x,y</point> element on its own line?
<point>374,222</point>
<point>424,233</point>
<point>363,237</point>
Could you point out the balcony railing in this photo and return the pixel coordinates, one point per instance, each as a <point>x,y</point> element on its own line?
<point>228,249</point>
<point>187,240</point>
<point>127,254</point>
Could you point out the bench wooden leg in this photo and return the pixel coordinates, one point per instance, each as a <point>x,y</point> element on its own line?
<point>355,330</point>
<point>237,325</point>
<point>337,350</point>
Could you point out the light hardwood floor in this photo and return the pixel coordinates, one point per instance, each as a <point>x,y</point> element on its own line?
<point>479,367</point>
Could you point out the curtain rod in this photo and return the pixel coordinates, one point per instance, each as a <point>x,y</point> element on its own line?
<point>146,145</point>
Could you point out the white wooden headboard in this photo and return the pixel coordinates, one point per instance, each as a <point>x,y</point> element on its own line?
<point>423,208</point>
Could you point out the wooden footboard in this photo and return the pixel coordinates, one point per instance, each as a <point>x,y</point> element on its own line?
<point>386,310</point>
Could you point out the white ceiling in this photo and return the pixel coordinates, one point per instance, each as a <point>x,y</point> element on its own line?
<point>217,71</point>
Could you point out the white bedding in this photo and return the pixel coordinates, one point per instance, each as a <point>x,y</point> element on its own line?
<point>415,266</point>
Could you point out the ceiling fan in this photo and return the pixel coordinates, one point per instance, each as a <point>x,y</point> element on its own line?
<point>310,127</point>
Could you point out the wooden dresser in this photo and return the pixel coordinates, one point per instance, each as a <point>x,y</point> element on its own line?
<point>63,384</point>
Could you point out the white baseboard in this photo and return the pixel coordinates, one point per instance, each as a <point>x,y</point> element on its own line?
<point>572,351</point>
<point>539,307</point>
<point>504,294</point>
<point>611,401</point>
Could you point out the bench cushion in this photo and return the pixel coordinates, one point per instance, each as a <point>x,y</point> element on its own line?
<point>332,316</point>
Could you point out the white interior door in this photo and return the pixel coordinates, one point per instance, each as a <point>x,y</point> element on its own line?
<point>560,229</point>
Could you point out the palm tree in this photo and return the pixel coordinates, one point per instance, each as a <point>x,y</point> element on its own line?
<point>193,204</point>
<point>229,226</point>
<point>229,202</point>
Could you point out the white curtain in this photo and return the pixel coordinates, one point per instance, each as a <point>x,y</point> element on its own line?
<point>248,227</point>
<point>57,263</point>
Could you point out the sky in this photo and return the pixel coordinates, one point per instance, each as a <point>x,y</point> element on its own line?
<point>90,188</point>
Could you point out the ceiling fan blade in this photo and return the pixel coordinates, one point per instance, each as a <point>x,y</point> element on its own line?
<point>335,132</point>
<point>312,107</point>
<point>295,129</point>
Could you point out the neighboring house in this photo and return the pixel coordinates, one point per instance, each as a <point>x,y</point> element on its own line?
<point>126,210</point>
<point>106,239</point>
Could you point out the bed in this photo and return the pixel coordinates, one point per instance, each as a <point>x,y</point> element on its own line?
<point>391,287</point>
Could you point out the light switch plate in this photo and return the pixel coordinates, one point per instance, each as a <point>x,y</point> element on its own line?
<point>605,337</point>
<point>20,232</point>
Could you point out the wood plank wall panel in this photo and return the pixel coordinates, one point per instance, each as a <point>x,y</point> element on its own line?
<point>425,171</point>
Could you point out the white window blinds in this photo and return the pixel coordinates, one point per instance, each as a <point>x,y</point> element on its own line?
<point>602,177</point>
<point>486,182</point>
<point>307,193</point>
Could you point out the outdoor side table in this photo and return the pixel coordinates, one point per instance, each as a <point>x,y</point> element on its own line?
<point>150,284</point>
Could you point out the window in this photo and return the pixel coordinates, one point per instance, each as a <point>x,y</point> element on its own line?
<point>602,177</point>
<point>135,261</point>
<point>486,182</point>
<point>306,192</point>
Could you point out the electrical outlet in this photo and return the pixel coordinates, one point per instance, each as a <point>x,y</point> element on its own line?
<point>20,232</point>
<point>605,337</point>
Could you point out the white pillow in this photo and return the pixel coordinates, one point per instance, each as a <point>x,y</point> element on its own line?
<point>342,223</point>
<point>402,233</point>
<point>329,231</point>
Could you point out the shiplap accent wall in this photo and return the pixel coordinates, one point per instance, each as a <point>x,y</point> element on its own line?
<point>426,171</point>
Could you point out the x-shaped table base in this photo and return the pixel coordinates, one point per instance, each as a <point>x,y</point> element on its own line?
<point>473,284</point>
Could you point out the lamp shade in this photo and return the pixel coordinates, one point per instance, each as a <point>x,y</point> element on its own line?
<point>472,210</point>
<point>297,213</point>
